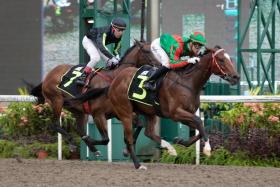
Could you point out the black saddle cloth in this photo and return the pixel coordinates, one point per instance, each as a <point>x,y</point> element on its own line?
<point>136,90</point>
<point>68,81</point>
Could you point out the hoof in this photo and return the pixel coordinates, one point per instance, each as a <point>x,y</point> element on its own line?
<point>166,145</point>
<point>207,148</point>
<point>125,153</point>
<point>207,152</point>
<point>172,152</point>
<point>97,154</point>
<point>142,168</point>
<point>72,148</point>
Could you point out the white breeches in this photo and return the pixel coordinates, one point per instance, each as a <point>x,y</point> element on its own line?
<point>93,52</point>
<point>159,53</point>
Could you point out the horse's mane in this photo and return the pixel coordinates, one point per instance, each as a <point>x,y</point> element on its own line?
<point>208,50</point>
<point>130,49</point>
<point>127,52</point>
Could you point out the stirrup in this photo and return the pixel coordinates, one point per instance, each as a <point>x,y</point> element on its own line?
<point>80,82</point>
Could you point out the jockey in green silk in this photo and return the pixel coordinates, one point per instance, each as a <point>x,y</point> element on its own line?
<point>169,50</point>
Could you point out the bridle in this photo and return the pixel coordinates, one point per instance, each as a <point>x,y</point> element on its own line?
<point>214,62</point>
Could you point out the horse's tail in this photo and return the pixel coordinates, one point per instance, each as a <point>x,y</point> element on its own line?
<point>92,94</point>
<point>37,92</point>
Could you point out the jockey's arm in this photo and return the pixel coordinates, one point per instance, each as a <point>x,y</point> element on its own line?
<point>175,58</point>
<point>100,42</point>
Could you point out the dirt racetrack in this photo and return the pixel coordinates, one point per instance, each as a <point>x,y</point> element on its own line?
<point>84,173</point>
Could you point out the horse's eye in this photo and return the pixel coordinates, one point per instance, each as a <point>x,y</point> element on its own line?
<point>222,61</point>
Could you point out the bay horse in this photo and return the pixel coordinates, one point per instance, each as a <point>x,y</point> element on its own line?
<point>101,108</point>
<point>179,98</point>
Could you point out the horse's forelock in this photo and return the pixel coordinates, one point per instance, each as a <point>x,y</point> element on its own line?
<point>217,47</point>
<point>209,50</point>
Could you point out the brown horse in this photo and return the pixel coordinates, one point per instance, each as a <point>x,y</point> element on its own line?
<point>179,98</point>
<point>101,108</point>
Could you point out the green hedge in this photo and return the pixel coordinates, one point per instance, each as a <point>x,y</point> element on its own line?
<point>9,149</point>
<point>219,156</point>
<point>26,119</point>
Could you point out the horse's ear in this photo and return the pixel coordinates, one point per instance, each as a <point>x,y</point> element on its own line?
<point>207,50</point>
<point>217,47</point>
<point>138,43</point>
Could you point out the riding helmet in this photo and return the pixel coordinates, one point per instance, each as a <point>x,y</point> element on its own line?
<point>118,23</point>
<point>198,37</point>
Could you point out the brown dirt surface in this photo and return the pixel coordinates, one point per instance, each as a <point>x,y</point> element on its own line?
<point>121,174</point>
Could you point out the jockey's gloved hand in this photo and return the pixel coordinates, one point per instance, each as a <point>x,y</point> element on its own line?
<point>113,61</point>
<point>193,60</point>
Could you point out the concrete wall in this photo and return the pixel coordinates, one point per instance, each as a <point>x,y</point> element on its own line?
<point>20,44</point>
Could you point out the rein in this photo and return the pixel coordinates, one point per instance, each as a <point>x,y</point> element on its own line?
<point>105,77</point>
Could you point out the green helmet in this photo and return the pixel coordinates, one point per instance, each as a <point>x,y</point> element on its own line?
<point>198,37</point>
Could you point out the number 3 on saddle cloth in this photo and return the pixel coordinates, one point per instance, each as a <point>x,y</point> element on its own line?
<point>68,81</point>
<point>138,93</point>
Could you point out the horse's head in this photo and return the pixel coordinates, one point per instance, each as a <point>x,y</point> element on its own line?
<point>140,54</point>
<point>222,66</point>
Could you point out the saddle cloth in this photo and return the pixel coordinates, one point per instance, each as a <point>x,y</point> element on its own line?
<point>137,92</point>
<point>68,81</point>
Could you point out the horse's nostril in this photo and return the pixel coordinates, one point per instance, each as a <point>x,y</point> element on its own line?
<point>236,77</point>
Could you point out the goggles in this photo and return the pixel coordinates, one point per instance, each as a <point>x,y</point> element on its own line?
<point>119,29</point>
<point>197,45</point>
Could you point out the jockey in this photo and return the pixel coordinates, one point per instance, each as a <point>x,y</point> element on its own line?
<point>95,41</point>
<point>169,50</point>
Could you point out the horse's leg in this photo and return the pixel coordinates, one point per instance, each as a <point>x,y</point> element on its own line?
<point>57,108</point>
<point>139,127</point>
<point>101,124</point>
<point>150,132</point>
<point>127,124</point>
<point>81,120</point>
<point>194,122</point>
<point>125,114</point>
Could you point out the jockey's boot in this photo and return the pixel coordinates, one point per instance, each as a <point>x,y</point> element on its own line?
<point>81,81</point>
<point>150,84</point>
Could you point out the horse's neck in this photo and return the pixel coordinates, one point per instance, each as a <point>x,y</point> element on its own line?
<point>126,64</point>
<point>200,74</point>
<point>113,72</point>
<point>128,60</point>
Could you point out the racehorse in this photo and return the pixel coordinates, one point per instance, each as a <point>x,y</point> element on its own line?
<point>178,95</point>
<point>101,108</point>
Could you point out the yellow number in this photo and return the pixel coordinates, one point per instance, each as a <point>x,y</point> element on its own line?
<point>144,93</point>
<point>77,74</point>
